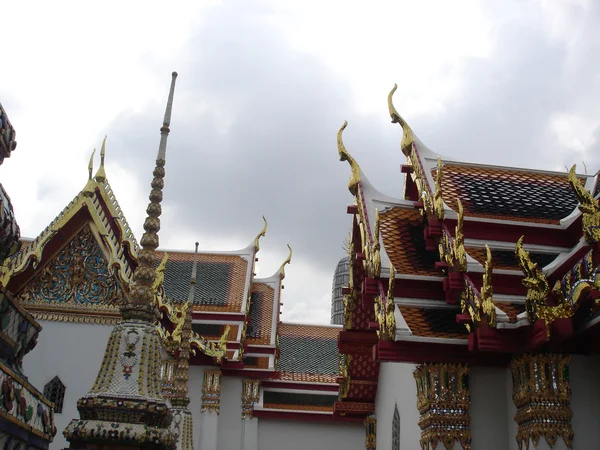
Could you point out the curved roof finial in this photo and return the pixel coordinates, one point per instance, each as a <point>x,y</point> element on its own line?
<point>100,174</point>
<point>288,260</point>
<point>262,233</point>
<point>345,156</point>
<point>141,305</point>
<point>88,190</point>
<point>407,137</point>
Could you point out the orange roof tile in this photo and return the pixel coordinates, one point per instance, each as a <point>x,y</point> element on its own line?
<point>221,280</point>
<point>261,314</point>
<point>508,194</point>
<point>433,322</point>
<point>402,233</point>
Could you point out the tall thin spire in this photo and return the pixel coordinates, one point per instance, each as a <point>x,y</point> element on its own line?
<point>126,396</point>
<point>141,305</point>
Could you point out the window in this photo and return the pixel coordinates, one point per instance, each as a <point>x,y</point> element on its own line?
<point>396,429</point>
<point>55,392</point>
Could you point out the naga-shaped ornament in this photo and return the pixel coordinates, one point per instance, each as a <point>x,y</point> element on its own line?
<point>216,349</point>
<point>345,156</point>
<point>373,250</point>
<point>407,134</point>
<point>438,201</point>
<point>589,208</point>
<point>487,303</point>
<point>538,291</point>
<point>452,250</point>
<point>385,312</point>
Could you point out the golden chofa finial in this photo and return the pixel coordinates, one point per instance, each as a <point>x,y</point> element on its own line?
<point>407,137</point>
<point>100,174</point>
<point>345,156</point>
<point>589,208</point>
<point>262,233</point>
<point>88,190</point>
<point>288,260</point>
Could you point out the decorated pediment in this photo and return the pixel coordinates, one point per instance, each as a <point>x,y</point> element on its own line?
<point>75,285</point>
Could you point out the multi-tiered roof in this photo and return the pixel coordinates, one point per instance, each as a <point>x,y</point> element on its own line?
<point>474,264</point>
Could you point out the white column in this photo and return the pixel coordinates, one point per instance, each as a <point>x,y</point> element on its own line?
<point>211,404</point>
<point>250,395</point>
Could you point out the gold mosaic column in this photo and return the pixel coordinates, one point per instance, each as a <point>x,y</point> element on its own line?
<point>542,395</point>
<point>211,391</point>
<point>371,433</point>
<point>250,391</point>
<point>443,401</point>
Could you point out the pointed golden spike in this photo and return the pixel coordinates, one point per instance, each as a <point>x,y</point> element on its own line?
<point>288,260</point>
<point>345,156</point>
<point>262,233</point>
<point>407,136</point>
<point>100,174</point>
<point>88,190</point>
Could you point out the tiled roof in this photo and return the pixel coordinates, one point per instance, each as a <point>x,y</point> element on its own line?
<point>309,351</point>
<point>506,259</point>
<point>261,314</point>
<point>402,233</point>
<point>433,322</point>
<point>220,284</point>
<point>508,194</point>
<point>512,310</point>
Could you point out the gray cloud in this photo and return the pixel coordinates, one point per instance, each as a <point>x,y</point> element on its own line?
<point>254,129</point>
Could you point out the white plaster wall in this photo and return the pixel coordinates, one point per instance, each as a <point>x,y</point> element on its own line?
<point>397,387</point>
<point>230,418</point>
<point>585,402</point>
<point>489,409</point>
<point>195,381</point>
<point>276,434</point>
<point>73,352</point>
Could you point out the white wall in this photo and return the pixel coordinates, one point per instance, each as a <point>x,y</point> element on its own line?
<point>73,352</point>
<point>195,381</point>
<point>489,410</point>
<point>397,387</point>
<point>585,401</point>
<point>230,419</point>
<point>276,434</point>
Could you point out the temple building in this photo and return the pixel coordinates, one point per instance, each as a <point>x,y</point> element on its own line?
<point>341,277</point>
<point>26,415</point>
<point>471,316</point>
<point>468,320</point>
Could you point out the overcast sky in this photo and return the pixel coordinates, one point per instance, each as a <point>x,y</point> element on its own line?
<point>263,88</point>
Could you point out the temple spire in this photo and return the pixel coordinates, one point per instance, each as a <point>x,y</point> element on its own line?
<point>141,305</point>
<point>126,396</point>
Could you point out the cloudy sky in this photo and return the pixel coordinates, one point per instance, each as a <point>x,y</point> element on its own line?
<point>263,88</point>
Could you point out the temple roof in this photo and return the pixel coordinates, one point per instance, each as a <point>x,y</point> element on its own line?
<point>309,353</point>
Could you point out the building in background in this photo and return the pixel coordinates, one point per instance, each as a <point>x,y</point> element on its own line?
<point>341,277</point>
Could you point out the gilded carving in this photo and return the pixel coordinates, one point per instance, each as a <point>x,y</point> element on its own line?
<point>344,369</point>
<point>77,282</point>
<point>250,395</point>
<point>538,292</point>
<point>372,249</point>
<point>443,402</point>
<point>438,202</point>
<point>216,349</point>
<point>452,250</point>
<point>385,312</point>
<point>589,208</point>
<point>371,433</point>
<point>487,302</point>
<point>211,391</point>
<point>345,156</point>
<point>542,395</point>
